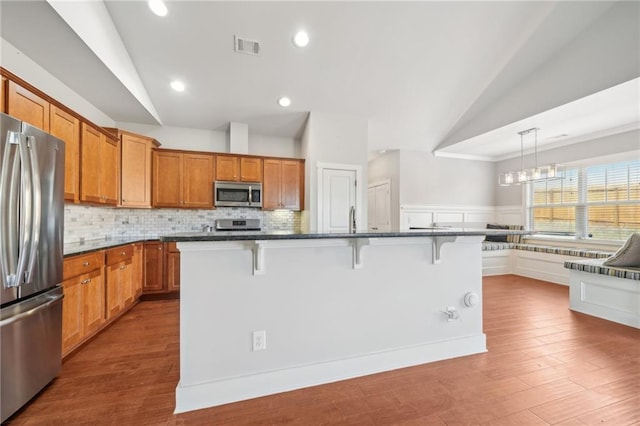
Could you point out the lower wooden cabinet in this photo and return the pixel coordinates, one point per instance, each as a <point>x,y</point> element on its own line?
<point>98,287</point>
<point>83,306</point>
<point>161,268</point>
<point>120,286</point>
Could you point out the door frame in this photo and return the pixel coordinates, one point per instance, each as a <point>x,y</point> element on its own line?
<point>380,183</point>
<point>321,167</point>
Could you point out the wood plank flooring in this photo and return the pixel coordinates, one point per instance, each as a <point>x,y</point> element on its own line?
<point>545,365</point>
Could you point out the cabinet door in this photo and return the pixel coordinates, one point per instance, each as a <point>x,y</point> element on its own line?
<point>72,309</point>
<point>292,184</point>
<point>227,167</point>
<point>66,127</point>
<point>173,268</point>
<point>250,169</point>
<point>271,184</point>
<point>109,170</point>
<point>137,270</point>
<point>153,268</point>
<point>135,180</point>
<point>94,304</point>
<point>167,179</point>
<point>198,180</point>
<point>128,291</point>
<point>114,289</point>
<point>27,106</point>
<point>90,150</point>
<point>3,94</point>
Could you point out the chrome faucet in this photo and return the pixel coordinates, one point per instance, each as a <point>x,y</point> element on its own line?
<point>352,220</point>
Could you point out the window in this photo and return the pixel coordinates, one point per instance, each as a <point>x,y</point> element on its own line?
<point>601,202</point>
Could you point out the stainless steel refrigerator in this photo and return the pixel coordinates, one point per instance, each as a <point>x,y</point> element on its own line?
<point>31,238</point>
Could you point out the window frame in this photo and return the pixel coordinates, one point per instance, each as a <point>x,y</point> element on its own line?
<point>581,228</point>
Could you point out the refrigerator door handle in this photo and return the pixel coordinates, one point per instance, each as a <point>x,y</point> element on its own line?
<point>9,199</point>
<point>52,300</point>
<point>36,210</point>
<point>26,215</point>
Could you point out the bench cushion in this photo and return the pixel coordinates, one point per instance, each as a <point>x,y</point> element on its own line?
<point>595,266</point>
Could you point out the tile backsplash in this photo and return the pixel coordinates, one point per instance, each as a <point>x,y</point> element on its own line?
<point>93,223</point>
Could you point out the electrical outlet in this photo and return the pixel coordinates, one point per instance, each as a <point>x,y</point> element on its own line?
<point>259,340</point>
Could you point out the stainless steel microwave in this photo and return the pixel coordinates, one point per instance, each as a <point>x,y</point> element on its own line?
<point>237,194</point>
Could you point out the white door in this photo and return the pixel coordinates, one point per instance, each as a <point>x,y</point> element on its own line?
<point>338,196</point>
<point>379,207</point>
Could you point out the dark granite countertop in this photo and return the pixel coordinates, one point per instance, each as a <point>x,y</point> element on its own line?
<point>290,235</point>
<point>73,249</point>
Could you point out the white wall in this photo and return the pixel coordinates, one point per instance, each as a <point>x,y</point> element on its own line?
<point>21,65</point>
<point>181,137</point>
<point>426,179</point>
<point>330,138</point>
<point>628,142</point>
<point>605,54</point>
<point>273,146</point>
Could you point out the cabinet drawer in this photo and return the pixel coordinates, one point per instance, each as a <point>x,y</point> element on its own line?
<point>82,264</point>
<point>119,254</point>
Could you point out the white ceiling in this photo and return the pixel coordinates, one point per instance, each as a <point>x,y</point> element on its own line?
<point>414,69</point>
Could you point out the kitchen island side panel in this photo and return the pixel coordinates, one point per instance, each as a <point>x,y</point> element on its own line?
<point>324,319</point>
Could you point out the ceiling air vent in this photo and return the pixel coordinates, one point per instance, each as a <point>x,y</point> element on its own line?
<point>243,45</point>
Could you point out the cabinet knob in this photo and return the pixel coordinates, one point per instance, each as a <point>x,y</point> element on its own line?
<point>87,281</point>
<point>160,248</point>
<point>123,267</point>
<point>123,253</point>
<point>85,264</point>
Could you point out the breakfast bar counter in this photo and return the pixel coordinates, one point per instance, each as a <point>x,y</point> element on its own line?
<point>268,312</point>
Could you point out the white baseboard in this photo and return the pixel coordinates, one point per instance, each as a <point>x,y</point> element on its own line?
<point>234,389</point>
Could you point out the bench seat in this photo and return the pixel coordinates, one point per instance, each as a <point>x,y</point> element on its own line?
<point>610,293</point>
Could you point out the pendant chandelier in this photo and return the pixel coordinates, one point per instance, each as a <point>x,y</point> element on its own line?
<point>532,174</point>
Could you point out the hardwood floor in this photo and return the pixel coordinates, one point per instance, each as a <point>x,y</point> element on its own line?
<point>545,365</point>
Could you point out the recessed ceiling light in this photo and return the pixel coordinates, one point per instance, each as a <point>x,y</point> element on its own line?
<point>284,101</point>
<point>301,39</point>
<point>178,86</point>
<point>158,7</point>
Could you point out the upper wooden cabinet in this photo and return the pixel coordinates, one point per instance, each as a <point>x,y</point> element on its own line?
<point>66,127</point>
<point>233,168</point>
<point>182,179</point>
<point>27,106</point>
<point>3,94</point>
<point>100,166</point>
<point>283,185</point>
<point>135,168</point>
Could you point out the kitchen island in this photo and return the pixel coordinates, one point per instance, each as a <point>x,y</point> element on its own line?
<point>267,312</point>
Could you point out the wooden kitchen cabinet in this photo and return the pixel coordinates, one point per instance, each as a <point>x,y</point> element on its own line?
<point>119,284</point>
<point>27,106</point>
<point>234,168</point>
<point>66,127</point>
<point>161,269</point>
<point>83,307</point>
<point>182,179</point>
<point>172,273</point>
<point>135,168</point>
<point>3,94</point>
<point>283,184</point>
<point>153,281</point>
<point>99,167</point>
<point>137,269</point>
<point>227,168</point>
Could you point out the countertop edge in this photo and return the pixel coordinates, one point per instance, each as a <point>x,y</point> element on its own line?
<point>251,236</point>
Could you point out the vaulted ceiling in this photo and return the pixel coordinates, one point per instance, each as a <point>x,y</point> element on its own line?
<point>426,75</point>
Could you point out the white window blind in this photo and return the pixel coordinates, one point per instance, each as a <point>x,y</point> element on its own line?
<point>601,202</point>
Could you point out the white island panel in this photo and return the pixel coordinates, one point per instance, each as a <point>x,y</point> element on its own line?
<point>324,319</point>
